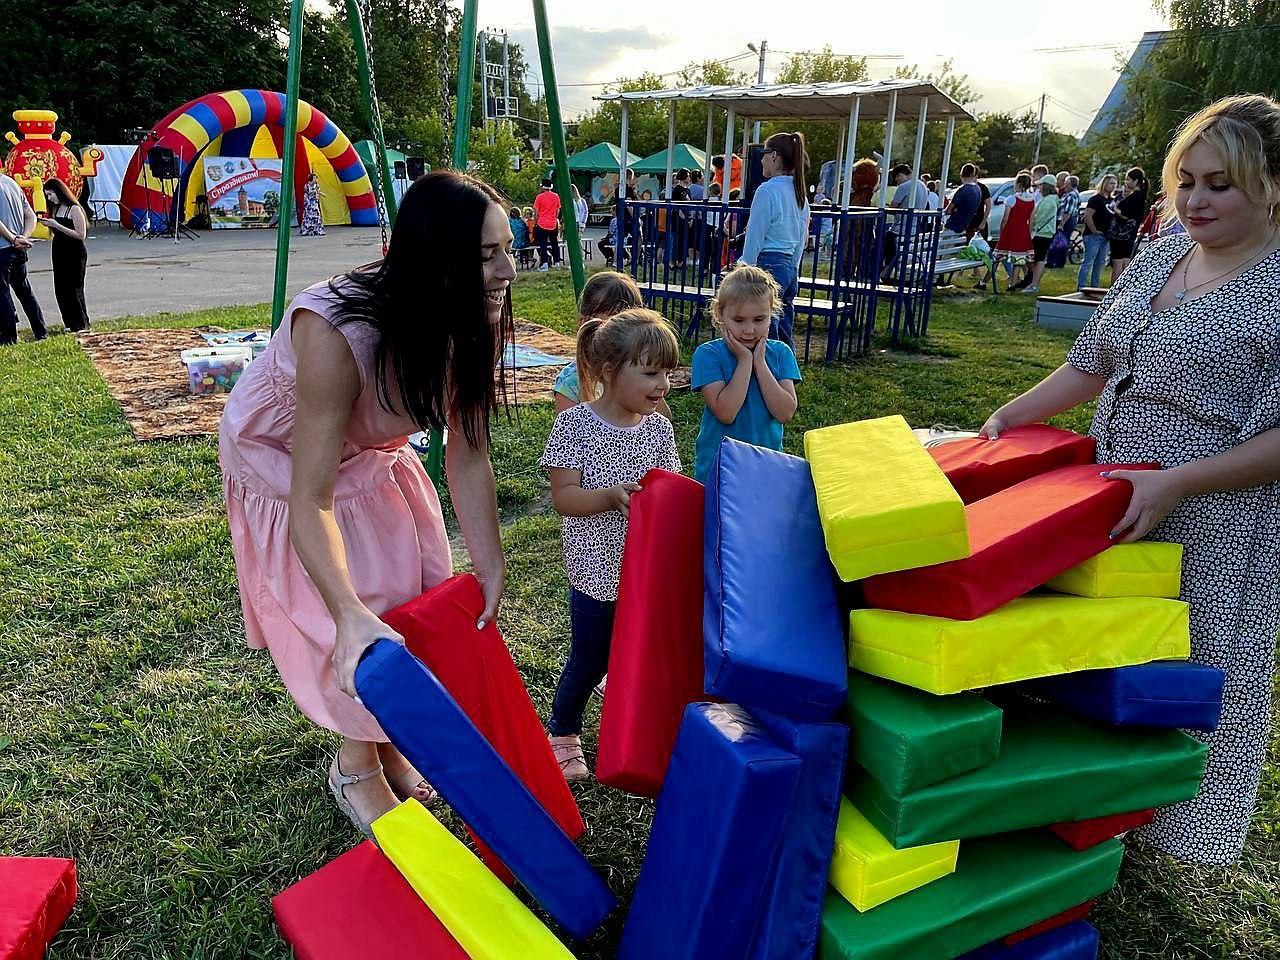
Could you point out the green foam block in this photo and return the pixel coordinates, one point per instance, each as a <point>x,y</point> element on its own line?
<point>1052,768</point>
<point>909,739</point>
<point>1001,885</point>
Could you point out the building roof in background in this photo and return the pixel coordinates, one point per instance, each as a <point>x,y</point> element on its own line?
<point>1116,98</point>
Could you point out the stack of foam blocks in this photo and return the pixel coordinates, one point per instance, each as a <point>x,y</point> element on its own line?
<point>453,703</point>
<point>1018,687</point>
<point>36,896</point>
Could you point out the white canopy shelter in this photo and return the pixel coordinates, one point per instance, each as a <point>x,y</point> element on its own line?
<point>847,103</point>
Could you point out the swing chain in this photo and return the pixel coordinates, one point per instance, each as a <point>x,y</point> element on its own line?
<point>365,8</point>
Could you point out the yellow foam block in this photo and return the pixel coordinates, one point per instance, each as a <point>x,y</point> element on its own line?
<point>485,917</point>
<point>1037,636</point>
<point>866,869</point>
<point>1147,569</point>
<point>885,504</point>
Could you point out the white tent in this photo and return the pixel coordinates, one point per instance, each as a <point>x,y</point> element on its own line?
<point>105,187</point>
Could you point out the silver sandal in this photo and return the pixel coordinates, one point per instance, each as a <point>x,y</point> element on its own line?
<point>338,782</point>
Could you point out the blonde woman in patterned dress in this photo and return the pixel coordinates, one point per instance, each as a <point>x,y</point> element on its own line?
<point>1183,356</point>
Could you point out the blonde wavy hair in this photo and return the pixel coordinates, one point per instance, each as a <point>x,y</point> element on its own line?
<point>746,282</point>
<point>1245,130</point>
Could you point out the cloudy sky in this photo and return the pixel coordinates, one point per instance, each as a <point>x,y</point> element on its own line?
<point>1010,59</point>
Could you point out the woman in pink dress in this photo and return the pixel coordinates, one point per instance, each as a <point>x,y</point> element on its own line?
<point>333,519</point>
<point>1014,245</point>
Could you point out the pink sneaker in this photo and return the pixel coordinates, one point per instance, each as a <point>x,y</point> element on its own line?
<point>568,753</point>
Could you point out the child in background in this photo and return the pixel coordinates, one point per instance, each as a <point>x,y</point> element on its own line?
<point>604,294</point>
<point>747,380</point>
<point>596,455</point>
<point>519,230</point>
<point>528,222</point>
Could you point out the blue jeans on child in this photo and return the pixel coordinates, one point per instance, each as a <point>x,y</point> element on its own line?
<point>782,268</point>
<point>1096,248</point>
<point>591,627</point>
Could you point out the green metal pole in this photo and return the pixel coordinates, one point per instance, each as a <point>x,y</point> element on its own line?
<point>572,238</point>
<point>361,43</point>
<point>466,71</point>
<point>290,158</point>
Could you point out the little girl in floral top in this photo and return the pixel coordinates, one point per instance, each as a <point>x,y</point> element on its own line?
<point>596,454</point>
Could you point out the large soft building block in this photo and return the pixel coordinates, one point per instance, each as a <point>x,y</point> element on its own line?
<point>1075,941</point>
<point>479,911</point>
<point>1052,768</point>
<point>1069,916</point>
<point>1145,569</point>
<point>909,739</point>
<point>771,624</point>
<point>475,666</point>
<point>1169,694</point>
<point>1083,834</point>
<point>979,467</point>
<point>655,661</point>
<point>1001,885</point>
<point>885,504</point>
<point>1019,538</point>
<point>36,896</point>
<point>867,870</point>
<point>715,838</point>
<point>791,918</point>
<point>1039,636</point>
<point>360,898</point>
<point>426,725</point>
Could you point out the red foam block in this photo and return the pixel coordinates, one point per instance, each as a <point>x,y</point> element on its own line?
<point>359,905</point>
<point>36,895</point>
<point>1044,926</point>
<point>1019,538</point>
<point>655,660</point>
<point>978,468</point>
<point>476,668</point>
<point>1083,834</point>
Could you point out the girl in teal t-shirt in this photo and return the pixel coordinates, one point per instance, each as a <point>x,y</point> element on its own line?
<point>747,380</point>
<point>606,293</point>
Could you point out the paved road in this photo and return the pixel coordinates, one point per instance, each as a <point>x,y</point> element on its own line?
<point>222,268</point>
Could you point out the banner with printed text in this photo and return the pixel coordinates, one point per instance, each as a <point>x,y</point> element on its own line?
<point>242,192</point>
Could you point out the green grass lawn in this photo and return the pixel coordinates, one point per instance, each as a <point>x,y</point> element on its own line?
<point>140,736</point>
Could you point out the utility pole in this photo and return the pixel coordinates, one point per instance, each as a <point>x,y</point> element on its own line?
<point>1039,131</point>
<point>506,79</point>
<point>484,85</point>
<point>764,45</point>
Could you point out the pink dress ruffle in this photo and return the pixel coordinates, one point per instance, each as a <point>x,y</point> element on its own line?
<point>384,503</point>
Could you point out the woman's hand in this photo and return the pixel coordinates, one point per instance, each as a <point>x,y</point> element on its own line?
<point>492,583</point>
<point>356,632</point>
<point>1155,494</point>
<point>994,426</point>
<point>619,497</point>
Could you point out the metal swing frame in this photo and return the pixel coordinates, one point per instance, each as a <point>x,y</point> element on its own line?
<point>381,178</point>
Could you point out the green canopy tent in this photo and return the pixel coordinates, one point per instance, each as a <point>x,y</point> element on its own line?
<point>684,155</point>
<point>602,157</point>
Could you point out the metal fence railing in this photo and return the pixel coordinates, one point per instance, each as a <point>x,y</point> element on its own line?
<point>860,264</point>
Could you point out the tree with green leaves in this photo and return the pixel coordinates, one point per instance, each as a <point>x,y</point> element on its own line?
<point>966,145</point>
<point>1008,145</point>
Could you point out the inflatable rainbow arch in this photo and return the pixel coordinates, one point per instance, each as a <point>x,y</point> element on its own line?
<point>238,117</point>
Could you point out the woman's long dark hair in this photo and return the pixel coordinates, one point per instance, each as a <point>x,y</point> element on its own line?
<point>63,191</point>
<point>437,349</point>
<point>790,149</point>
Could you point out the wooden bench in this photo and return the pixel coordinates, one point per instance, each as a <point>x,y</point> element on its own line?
<point>951,258</point>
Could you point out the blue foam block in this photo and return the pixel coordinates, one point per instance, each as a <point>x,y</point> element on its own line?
<point>1166,694</point>
<point>771,625</point>
<point>1075,941</point>
<point>716,831</point>
<point>426,725</point>
<point>791,919</point>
